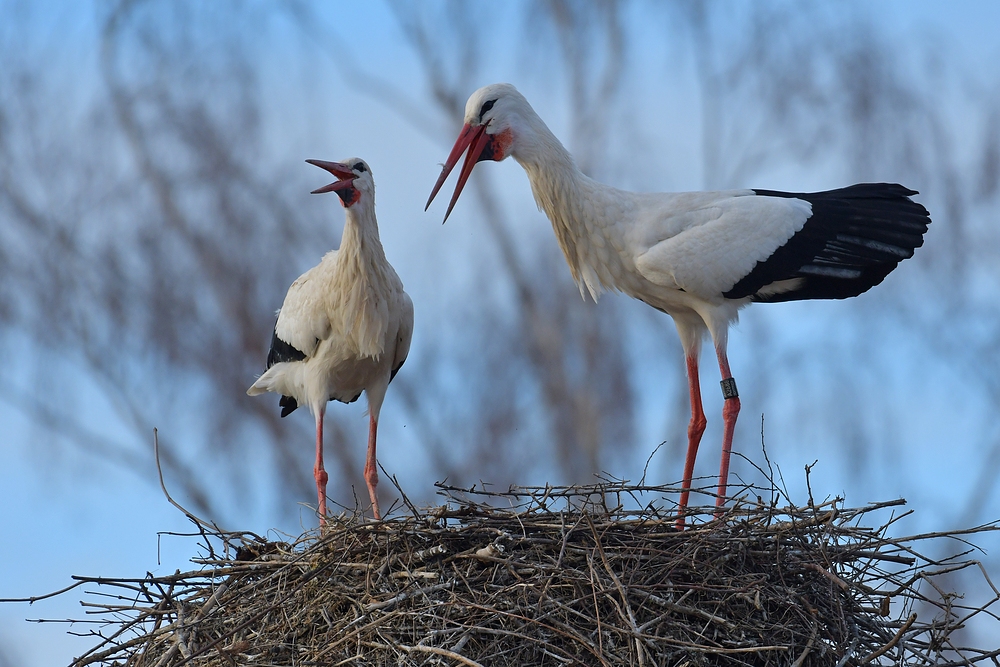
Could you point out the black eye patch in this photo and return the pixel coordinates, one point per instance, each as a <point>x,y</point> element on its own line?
<point>486,107</point>
<point>360,166</point>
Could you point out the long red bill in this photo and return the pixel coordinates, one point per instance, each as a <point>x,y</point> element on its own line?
<point>475,137</point>
<point>465,137</point>
<point>343,173</point>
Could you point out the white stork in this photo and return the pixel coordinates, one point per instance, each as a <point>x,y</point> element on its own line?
<point>697,256</point>
<point>345,324</point>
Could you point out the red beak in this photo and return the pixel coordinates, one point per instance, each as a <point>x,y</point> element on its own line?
<point>345,177</point>
<point>475,137</point>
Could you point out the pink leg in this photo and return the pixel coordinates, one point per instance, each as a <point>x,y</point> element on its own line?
<point>371,468</point>
<point>318,472</point>
<point>730,410</point>
<point>696,427</point>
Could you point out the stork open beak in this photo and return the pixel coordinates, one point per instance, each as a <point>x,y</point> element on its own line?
<point>479,141</point>
<point>343,173</point>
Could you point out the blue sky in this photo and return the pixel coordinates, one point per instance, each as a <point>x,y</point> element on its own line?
<point>66,513</point>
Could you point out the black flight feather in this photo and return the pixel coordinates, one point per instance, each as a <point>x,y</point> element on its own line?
<point>282,351</point>
<point>288,405</point>
<point>853,239</point>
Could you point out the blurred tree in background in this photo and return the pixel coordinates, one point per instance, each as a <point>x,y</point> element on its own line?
<point>152,218</point>
<point>154,209</point>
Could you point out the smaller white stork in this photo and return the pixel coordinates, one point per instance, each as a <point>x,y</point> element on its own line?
<point>344,327</point>
<point>697,256</point>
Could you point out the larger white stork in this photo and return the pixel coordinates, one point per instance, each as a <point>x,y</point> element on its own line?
<point>697,256</point>
<point>345,324</point>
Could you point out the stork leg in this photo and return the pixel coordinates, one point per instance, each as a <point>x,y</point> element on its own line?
<point>371,467</point>
<point>318,471</point>
<point>730,410</point>
<point>696,427</point>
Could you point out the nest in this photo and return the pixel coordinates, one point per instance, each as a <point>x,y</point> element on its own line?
<point>560,576</point>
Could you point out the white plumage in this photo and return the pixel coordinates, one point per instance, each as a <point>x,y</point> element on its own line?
<point>698,256</point>
<point>345,325</point>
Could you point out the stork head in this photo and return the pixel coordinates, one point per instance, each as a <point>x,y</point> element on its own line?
<point>495,116</point>
<point>354,180</point>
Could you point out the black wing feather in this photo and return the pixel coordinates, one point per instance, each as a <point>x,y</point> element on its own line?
<point>288,405</point>
<point>853,239</point>
<point>283,351</point>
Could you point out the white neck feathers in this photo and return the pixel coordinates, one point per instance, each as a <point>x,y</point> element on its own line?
<point>362,283</point>
<point>577,206</point>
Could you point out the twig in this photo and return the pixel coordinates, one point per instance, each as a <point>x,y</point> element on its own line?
<point>36,598</point>
<point>190,515</point>
<point>805,652</point>
<point>441,651</point>
<point>892,642</point>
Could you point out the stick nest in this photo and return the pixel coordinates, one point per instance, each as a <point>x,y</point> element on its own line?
<point>559,576</point>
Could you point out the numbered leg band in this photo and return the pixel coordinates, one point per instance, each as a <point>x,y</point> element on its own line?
<point>729,388</point>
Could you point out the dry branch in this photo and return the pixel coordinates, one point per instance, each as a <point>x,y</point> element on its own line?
<point>592,575</point>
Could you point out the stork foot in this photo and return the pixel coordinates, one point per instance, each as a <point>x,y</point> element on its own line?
<point>696,428</point>
<point>371,467</point>
<point>730,410</point>
<point>321,479</point>
<point>371,479</point>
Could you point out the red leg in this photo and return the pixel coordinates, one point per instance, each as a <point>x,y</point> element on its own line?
<point>730,410</point>
<point>696,427</point>
<point>318,472</point>
<point>371,467</point>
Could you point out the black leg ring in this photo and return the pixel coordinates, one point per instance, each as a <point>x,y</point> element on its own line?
<point>729,388</point>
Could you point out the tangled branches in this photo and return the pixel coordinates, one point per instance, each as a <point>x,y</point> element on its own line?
<point>563,575</point>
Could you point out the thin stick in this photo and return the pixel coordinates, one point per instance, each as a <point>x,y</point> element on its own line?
<point>159,470</point>
<point>892,642</point>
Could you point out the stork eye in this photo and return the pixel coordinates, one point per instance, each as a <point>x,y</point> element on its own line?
<point>360,166</point>
<point>486,107</point>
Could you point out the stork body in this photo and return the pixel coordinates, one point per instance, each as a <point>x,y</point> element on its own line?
<point>344,327</point>
<point>698,256</point>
